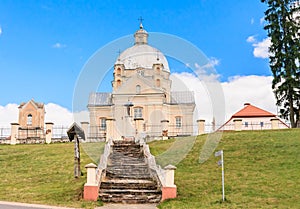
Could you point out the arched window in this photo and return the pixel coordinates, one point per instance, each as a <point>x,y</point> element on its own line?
<point>118,83</point>
<point>138,89</point>
<point>118,71</point>
<point>158,70</point>
<point>29,120</point>
<point>157,83</point>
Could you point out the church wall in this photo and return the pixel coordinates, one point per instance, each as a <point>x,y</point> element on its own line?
<point>185,111</point>
<point>96,114</point>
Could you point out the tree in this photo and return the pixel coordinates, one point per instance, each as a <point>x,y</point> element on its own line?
<point>283,29</point>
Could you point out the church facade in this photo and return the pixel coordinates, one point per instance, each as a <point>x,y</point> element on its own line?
<point>141,103</point>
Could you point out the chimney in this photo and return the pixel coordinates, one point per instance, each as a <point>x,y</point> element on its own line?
<point>246,104</point>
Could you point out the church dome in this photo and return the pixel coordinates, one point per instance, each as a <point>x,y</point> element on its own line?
<point>141,54</point>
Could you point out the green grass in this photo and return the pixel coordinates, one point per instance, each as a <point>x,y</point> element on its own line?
<point>42,174</point>
<point>262,170</point>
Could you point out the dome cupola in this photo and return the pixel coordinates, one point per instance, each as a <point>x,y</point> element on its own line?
<point>142,55</point>
<point>141,36</point>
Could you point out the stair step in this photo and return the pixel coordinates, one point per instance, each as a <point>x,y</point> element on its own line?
<point>127,181</point>
<point>140,186</point>
<point>130,199</point>
<point>127,166</point>
<point>129,191</point>
<point>128,178</point>
<point>126,163</point>
<point>141,177</point>
<point>128,171</point>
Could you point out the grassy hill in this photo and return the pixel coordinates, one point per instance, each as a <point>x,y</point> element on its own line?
<point>262,170</point>
<point>42,174</point>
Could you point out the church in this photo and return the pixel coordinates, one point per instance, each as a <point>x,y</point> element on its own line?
<point>141,103</point>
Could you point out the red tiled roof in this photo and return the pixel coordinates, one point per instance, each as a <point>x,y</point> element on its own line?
<point>252,111</point>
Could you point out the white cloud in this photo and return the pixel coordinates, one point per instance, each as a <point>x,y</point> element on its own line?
<point>54,113</point>
<point>262,20</point>
<point>251,39</point>
<point>212,62</point>
<point>256,90</point>
<point>0,30</point>
<point>62,116</point>
<point>59,45</point>
<point>207,72</point>
<point>8,114</point>
<point>252,21</point>
<point>261,49</point>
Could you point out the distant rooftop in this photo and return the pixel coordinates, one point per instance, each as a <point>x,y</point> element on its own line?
<point>252,111</point>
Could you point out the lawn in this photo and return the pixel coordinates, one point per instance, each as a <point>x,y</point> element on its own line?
<point>261,171</point>
<point>43,174</point>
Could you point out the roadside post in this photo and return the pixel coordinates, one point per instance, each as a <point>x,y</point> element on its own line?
<point>221,163</point>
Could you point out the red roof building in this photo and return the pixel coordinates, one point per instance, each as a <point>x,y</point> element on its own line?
<point>253,118</point>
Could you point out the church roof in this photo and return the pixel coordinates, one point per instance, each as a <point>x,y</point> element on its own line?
<point>141,54</point>
<point>252,111</point>
<point>144,56</point>
<point>37,104</point>
<point>182,97</point>
<point>99,98</point>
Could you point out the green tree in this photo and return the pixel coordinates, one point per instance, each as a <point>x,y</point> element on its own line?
<point>284,31</point>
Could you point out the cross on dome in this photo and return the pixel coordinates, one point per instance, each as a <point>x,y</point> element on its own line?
<point>141,22</point>
<point>141,35</point>
<point>119,52</point>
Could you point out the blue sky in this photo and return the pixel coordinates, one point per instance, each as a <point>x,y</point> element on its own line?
<point>45,44</point>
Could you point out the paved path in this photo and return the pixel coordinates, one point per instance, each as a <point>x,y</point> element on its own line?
<point>16,205</point>
<point>130,206</point>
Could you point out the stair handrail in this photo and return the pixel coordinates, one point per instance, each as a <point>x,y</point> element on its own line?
<point>152,164</point>
<point>103,160</point>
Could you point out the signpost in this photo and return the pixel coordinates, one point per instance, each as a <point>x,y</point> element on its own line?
<point>221,163</point>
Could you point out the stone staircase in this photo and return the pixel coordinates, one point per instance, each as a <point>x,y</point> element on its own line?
<point>128,178</point>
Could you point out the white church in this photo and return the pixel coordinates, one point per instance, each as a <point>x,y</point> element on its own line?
<point>141,103</point>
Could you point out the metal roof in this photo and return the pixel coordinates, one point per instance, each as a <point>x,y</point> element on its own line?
<point>99,98</point>
<point>182,97</point>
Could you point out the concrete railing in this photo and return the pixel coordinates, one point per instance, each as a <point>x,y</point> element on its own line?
<point>94,174</point>
<point>165,176</point>
<point>150,160</point>
<point>103,160</point>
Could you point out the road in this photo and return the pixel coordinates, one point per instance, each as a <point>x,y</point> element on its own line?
<point>14,205</point>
